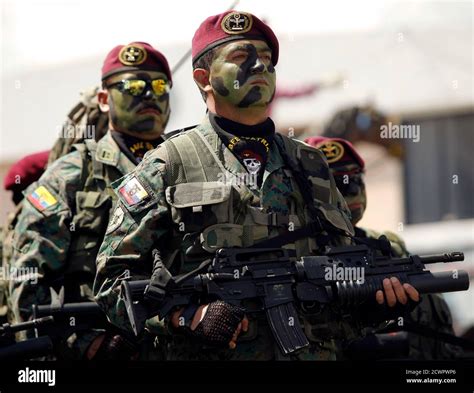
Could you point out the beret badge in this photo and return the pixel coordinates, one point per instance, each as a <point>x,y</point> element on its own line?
<point>131,55</point>
<point>237,23</point>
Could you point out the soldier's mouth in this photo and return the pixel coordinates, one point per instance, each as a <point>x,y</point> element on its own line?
<point>153,111</point>
<point>259,82</point>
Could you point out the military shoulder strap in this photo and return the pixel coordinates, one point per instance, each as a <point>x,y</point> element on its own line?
<point>309,163</point>
<point>195,155</point>
<point>93,170</point>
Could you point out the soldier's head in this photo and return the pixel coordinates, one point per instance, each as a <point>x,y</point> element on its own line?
<point>347,167</point>
<point>136,81</point>
<point>234,57</point>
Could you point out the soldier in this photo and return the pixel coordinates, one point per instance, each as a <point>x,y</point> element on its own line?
<point>20,175</point>
<point>348,167</point>
<point>66,212</point>
<point>229,182</point>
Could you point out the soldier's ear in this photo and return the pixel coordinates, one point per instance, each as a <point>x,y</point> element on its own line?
<point>103,98</point>
<point>201,77</point>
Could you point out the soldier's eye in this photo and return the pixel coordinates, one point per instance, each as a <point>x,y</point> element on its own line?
<point>239,56</point>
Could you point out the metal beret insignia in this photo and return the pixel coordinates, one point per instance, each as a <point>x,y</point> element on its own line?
<point>332,150</point>
<point>132,55</point>
<point>237,23</point>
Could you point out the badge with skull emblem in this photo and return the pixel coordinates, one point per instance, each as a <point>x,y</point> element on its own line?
<point>252,162</point>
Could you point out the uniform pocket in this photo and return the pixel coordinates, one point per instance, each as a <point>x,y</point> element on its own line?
<point>92,212</point>
<point>195,206</point>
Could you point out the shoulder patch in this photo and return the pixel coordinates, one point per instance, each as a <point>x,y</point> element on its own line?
<point>42,199</point>
<point>116,220</point>
<point>133,192</point>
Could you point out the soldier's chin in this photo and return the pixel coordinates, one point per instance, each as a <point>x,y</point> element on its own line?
<point>356,215</point>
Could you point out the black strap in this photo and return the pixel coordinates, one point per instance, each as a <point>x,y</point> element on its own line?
<point>382,244</point>
<point>313,229</point>
<point>318,223</point>
<point>304,184</point>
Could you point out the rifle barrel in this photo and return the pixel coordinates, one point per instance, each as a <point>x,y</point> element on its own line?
<point>445,258</point>
<point>7,328</point>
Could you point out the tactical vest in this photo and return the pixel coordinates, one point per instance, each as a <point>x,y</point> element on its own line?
<point>214,211</point>
<point>93,204</point>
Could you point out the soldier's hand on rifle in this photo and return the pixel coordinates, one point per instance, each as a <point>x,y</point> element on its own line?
<point>111,347</point>
<point>217,323</point>
<point>394,291</point>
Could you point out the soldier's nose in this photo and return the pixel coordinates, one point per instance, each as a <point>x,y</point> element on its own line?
<point>353,189</point>
<point>149,95</point>
<point>258,67</point>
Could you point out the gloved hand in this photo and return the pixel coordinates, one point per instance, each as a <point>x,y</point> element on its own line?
<point>217,323</point>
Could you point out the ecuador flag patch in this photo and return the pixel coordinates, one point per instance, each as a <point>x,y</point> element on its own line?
<point>42,199</point>
<point>133,192</point>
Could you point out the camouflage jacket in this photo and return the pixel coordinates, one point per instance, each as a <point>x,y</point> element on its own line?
<point>61,225</point>
<point>186,200</point>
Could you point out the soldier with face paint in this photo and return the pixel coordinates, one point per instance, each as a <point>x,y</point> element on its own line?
<point>432,311</point>
<point>65,213</point>
<point>230,182</point>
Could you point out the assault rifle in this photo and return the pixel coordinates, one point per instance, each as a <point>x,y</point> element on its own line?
<point>282,285</point>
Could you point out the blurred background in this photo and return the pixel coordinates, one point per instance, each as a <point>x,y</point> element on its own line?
<point>346,69</point>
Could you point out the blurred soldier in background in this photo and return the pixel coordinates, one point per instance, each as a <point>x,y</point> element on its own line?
<point>20,175</point>
<point>348,169</point>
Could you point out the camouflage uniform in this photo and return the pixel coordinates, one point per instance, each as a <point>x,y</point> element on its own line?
<point>182,199</point>
<point>62,224</point>
<point>20,175</point>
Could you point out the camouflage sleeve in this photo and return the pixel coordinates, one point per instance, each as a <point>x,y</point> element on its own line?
<point>140,219</point>
<point>42,235</point>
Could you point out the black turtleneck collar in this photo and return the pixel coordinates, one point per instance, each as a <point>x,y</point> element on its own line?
<point>264,129</point>
<point>250,144</point>
<point>134,148</point>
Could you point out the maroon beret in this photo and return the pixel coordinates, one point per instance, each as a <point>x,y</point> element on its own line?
<point>25,171</point>
<point>132,57</point>
<point>232,26</point>
<point>338,151</point>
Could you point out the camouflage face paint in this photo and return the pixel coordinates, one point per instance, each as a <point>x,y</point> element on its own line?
<point>357,204</point>
<point>352,187</point>
<point>144,114</point>
<point>242,74</point>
